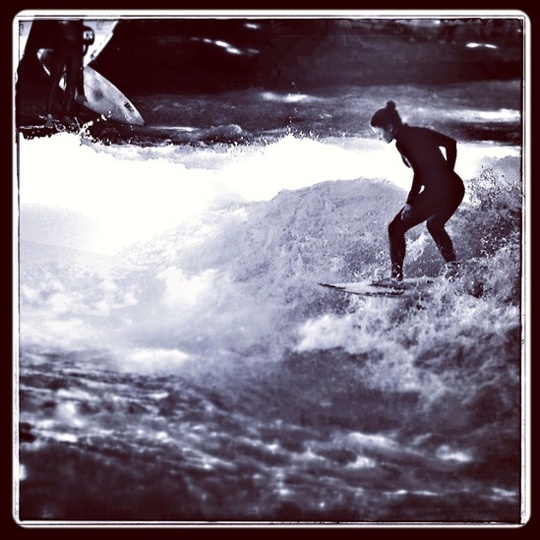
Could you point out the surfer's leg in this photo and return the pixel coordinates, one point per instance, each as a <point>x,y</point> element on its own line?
<point>57,69</point>
<point>396,235</point>
<point>445,246</point>
<point>72,77</point>
<point>81,97</point>
<point>419,212</point>
<point>442,239</point>
<point>435,224</point>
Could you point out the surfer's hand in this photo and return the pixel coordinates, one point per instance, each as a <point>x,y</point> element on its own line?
<point>406,212</point>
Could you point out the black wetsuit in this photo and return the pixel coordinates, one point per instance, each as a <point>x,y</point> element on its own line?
<point>68,55</point>
<point>442,193</point>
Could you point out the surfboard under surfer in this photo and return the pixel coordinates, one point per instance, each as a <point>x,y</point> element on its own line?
<point>436,190</point>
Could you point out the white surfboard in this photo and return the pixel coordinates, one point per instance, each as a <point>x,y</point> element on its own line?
<point>102,96</point>
<point>106,99</point>
<point>103,32</point>
<point>405,289</point>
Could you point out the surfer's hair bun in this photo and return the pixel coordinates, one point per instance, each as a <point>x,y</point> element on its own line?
<point>388,116</point>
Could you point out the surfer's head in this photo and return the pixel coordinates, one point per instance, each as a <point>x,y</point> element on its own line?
<point>385,122</point>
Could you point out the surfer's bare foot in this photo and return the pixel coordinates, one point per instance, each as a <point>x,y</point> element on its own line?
<point>49,123</point>
<point>451,270</point>
<point>70,122</point>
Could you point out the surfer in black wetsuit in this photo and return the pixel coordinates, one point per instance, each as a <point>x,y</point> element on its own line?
<point>68,53</point>
<point>442,192</point>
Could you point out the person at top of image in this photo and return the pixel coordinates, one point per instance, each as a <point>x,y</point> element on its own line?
<point>436,190</point>
<point>67,58</point>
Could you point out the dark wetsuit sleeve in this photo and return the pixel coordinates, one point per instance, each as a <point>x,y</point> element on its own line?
<point>449,145</point>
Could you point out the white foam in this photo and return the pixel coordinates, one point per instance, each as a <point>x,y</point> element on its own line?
<point>105,199</point>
